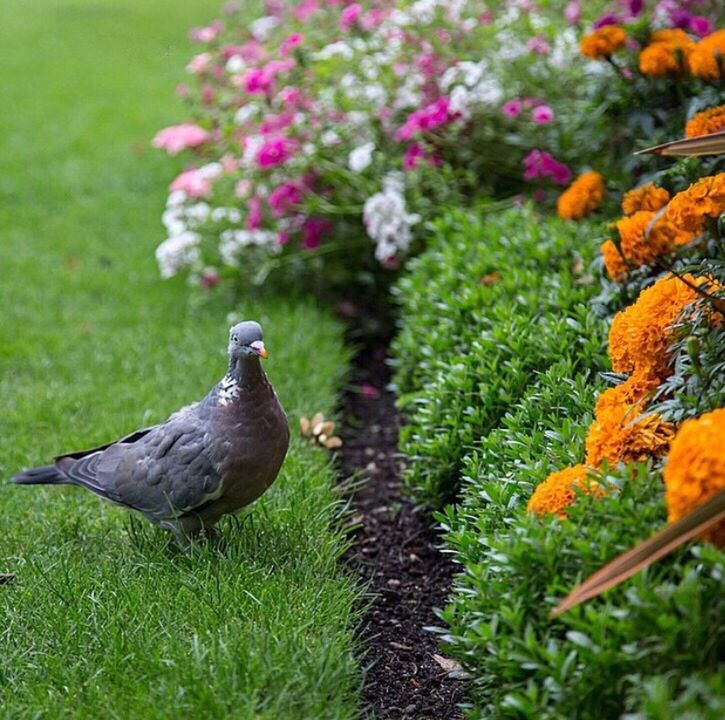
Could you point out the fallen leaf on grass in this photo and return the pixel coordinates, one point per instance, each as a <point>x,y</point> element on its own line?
<point>320,431</point>
<point>491,278</point>
<point>447,664</point>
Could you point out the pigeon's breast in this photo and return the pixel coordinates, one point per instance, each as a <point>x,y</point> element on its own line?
<point>250,437</point>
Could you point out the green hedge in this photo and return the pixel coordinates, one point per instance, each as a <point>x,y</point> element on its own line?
<point>468,348</point>
<point>499,386</point>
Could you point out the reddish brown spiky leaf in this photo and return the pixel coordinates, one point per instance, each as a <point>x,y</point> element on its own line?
<point>647,552</point>
<point>713,144</point>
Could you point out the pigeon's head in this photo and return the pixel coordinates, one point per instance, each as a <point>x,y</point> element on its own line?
<point>245,340</point>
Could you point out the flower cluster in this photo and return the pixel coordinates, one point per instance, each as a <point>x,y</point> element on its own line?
<point>706,122</point>
<point>603,42</point>
<point>560,490</point>
<point>695,469</point>
<point>582,197</point>
<point>704,199</point>
<point>322,119</point>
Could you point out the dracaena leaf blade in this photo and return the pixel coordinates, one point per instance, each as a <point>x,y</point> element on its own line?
<point>713,144</point>
<point>647,552</point>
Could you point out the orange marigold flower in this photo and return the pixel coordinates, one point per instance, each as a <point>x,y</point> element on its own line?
<point>582,197</point>
<point>667,54</point>
<point>695,469</point>
<point>559,490</point>
<point>603,42</point>
<point>620,432</point>
<point>707,57</point>
<point>639,243</point>
<point>704,198</point>
<point>640,334</point>
<point>706,122</point>
<point>645,197</point>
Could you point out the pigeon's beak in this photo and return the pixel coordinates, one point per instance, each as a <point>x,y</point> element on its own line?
<point>258,347</point>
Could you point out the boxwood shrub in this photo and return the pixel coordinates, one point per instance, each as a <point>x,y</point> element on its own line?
<point>495,302</point>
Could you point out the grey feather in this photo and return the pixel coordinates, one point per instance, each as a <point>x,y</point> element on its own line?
<point>208,459</point>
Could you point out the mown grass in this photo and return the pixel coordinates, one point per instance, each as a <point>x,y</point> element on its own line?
<point>104,617</point>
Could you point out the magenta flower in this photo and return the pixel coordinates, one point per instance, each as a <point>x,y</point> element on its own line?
<point>256,82</point>
<point>607,19</point>
<point>542,114</point>
<point>284,198</point>
<point>274,152</point>
<point>290,43</point>
<point>274,123</point>
<point>199,63</point>
<point>700,25</point>
<point>313,230</point>
<point>512,108</point>
<point>193,183</point>
<point>427,118</point>
<point>350,15</point>
<point>541,164</point>
<point>176,138</point>
<point>413,155</point>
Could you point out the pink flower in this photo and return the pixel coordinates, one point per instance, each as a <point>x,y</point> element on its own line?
<point>243,188</point>
<point>313,229</point>
<point>290,43</point>
<point>305,9</point>
<point>372,19</point>
<point>283,198</point>
<point>206,34</point>
<point>350,15</point>
<point>512,109</point>
<point>290,97</point>
<point>573,12</point>
<point>193,183</point>
<point>176,138</point>
<point>254,213</point>
<point>274,123</point>
<point>209,278</point>
<point>282,237</point>
<point>369,392</point>
<point>199,63</point>
<point>251,52</point>
<point>538,45</point>
<point>274,152</point>
<point>542,114</point>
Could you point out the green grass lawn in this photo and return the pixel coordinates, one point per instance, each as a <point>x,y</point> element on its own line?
<point>105,618</point>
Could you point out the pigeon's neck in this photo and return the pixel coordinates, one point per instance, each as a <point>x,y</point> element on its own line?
<point>246,372</point>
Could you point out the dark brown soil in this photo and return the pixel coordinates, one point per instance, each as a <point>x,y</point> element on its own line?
<point>396,556</point>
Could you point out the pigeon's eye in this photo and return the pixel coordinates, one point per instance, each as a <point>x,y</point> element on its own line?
<point>235,338</point>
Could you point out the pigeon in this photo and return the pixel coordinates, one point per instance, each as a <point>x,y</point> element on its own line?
<point>210,458</point>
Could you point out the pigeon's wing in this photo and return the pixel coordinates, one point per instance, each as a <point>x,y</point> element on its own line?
<point>164,473</point>
<point>133,437</point>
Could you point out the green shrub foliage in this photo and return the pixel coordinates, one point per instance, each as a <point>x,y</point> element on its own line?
<point>491,306</point>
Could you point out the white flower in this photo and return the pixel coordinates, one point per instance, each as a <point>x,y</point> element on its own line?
<point>246,113</point>
<point>329,137</point>
<point>337,49</point>
<point>177,252</point>
<point>361,157</point>
<point>387,220</point>
<point>226,213</point>
<point>262,28</point>
<point>232,242</point>
<point>235,64</point>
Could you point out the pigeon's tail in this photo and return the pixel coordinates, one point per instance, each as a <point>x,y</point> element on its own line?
<point>48,474</point>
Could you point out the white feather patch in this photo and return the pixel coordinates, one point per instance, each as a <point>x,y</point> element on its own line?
<point>228,390</point>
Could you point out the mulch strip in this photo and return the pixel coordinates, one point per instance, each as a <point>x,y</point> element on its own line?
<point>396,555</point>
